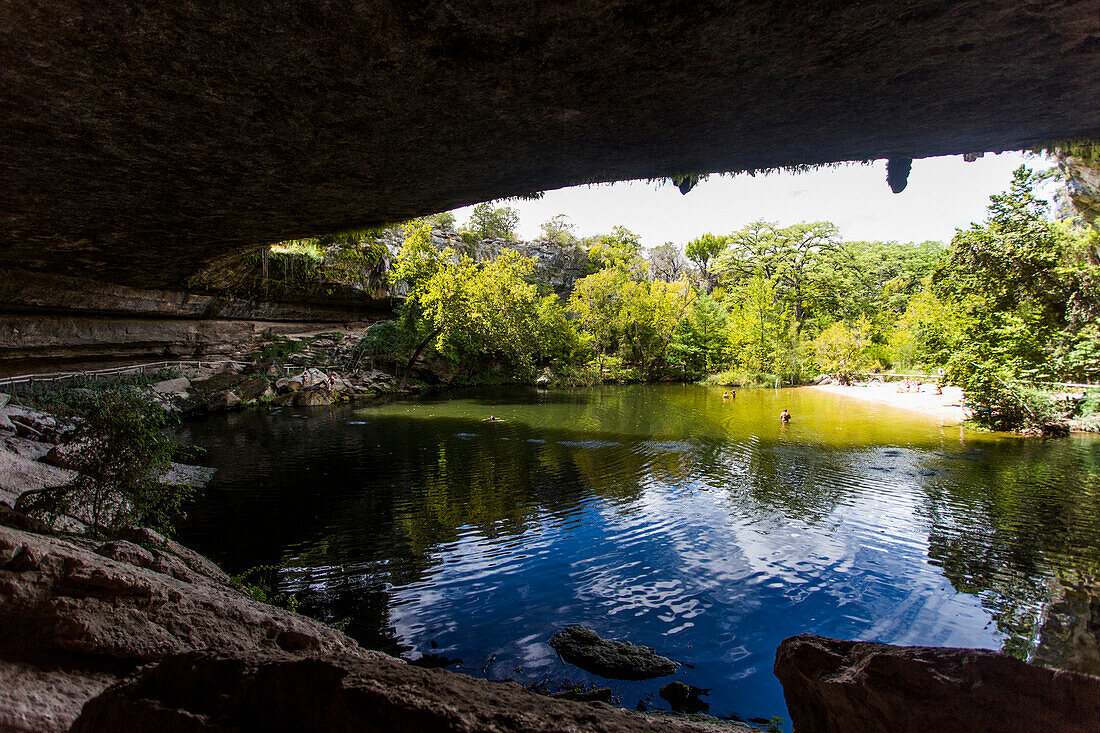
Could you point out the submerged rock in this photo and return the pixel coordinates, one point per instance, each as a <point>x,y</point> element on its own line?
<point>835,686</point>
<point>618,660</point>
<point>685,698</point>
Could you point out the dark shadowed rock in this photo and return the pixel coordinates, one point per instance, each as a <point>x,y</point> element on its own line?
<point>75,612</point>
<point>684,698</point>
<point>836,686</point>
<point>618,660</point>
<point>224,401</point>
<point>264,692</point>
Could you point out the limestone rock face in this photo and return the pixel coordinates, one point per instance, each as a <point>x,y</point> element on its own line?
<point>140,146</point>
<point>836,686</point>
<point>1082,187</point>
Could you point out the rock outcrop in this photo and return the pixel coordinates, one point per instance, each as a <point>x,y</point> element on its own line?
<point>61,320</point>
<point>1082,187</point>
<point>140,144</point>
<point>836,686</point>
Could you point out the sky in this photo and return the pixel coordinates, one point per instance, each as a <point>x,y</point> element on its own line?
<point>943,194</point>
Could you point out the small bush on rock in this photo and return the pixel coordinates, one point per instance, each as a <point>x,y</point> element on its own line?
<point>120,450</point>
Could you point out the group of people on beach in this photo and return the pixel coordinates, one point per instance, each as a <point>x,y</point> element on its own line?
<point>914,386</point>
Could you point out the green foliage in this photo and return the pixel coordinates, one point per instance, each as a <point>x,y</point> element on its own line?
<point>1000,403</point>
<point>386,340</point>
<point>842,351</point>
<point>280,348</point>
<point>559,229</point>
<point>120,450</point>
<point>487,222</point>
<point>469,311</point>
<point>261,583</point>
<point>701,343</point>
<point>444,220</point>
<point>619,250</point>
<point>704,249</point>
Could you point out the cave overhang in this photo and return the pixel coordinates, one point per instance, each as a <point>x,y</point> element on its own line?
<point>141,141</point>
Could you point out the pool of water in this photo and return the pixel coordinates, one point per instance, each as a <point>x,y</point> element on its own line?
<point>664,516</point>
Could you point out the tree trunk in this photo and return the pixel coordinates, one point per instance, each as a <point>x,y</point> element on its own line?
<point>416,355</point>
<point>264,254</point>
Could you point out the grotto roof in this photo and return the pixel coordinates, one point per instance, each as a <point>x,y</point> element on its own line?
<point>141,140</point>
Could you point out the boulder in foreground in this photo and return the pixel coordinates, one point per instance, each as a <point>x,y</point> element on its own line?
<point>204,691</point>
<point>617,660</point>
<point>835,686</point>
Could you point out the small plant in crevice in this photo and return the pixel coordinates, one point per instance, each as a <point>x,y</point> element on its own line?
<point>261,583</point>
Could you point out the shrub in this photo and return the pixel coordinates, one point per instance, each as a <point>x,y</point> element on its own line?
<point>120,450</point>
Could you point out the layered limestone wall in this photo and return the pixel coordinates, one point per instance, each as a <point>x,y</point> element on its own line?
<point>48,322</point>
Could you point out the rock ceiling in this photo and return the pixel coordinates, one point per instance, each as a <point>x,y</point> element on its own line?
<point>140,141</point>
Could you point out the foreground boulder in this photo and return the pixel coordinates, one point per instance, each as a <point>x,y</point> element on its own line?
<point>264,692</point>
<point>76,613</point>
<point>836,686</point>
<point>617,660</point>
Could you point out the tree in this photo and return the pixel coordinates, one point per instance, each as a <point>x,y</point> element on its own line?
<point>756,321</point>
<point>701,344</point>
<point>559,229</point>
<point>701,251</point>
<point>595,302</point>
<point>799,259</point>
<point>842,350</point>
<point>470,311</point>
<point>1022,291</point>
<point>621,249</point>
<point>489,223</point>
<point>648,318</point>
<point>666,262</point>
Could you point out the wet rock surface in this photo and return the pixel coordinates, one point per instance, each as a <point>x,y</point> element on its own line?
<point>618,660</point>
<point>834,686</point>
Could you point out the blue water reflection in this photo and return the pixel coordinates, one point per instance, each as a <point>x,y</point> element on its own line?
<point>658,516</point>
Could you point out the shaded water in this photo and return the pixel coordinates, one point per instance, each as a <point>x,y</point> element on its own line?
<point>661,515</point>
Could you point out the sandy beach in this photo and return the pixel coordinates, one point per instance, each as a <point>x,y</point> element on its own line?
<point>947,408</point>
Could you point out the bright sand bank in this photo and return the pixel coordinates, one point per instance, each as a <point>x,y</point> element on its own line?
<point>947,408</point>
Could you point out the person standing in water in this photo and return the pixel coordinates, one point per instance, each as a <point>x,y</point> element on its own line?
<point>785,416</point>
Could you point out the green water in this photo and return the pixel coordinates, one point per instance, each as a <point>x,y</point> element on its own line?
<point>663,515</point>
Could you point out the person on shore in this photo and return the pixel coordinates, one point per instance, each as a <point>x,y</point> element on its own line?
<point>785,416</point>
<point>939,389</point>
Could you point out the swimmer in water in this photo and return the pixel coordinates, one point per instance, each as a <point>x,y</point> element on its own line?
<point>785,416</point>
<point>725,396</point>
